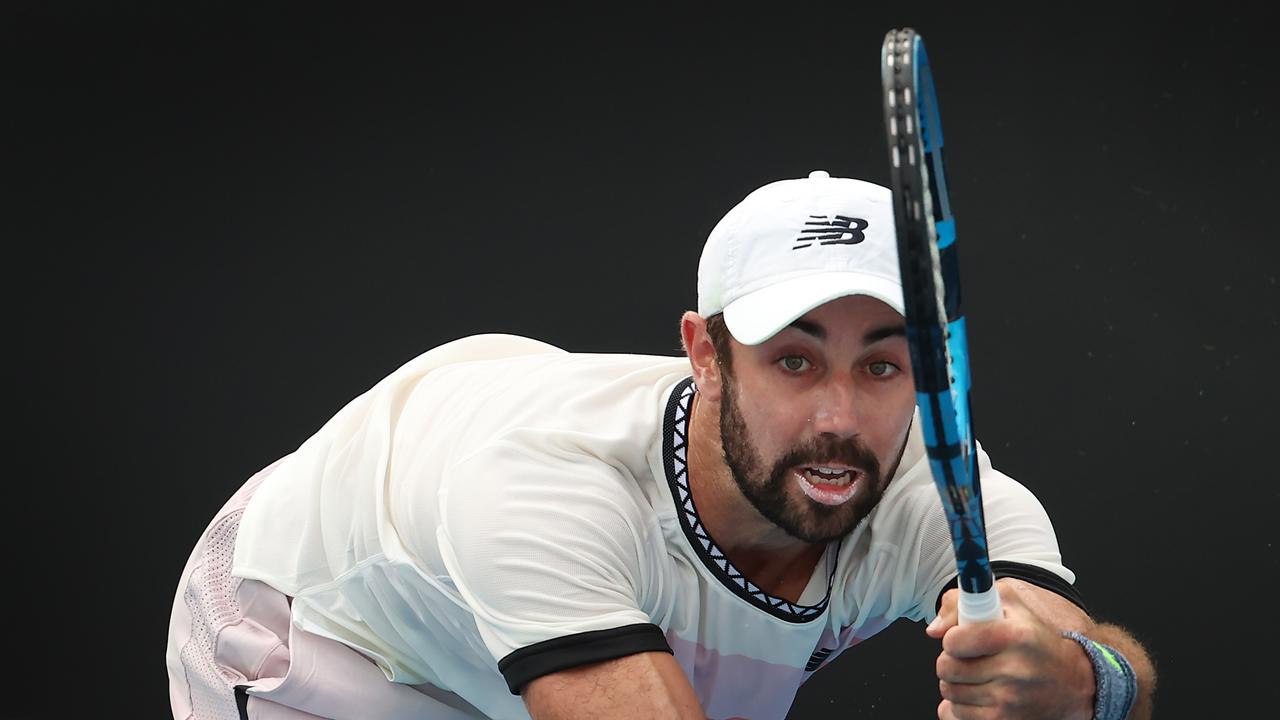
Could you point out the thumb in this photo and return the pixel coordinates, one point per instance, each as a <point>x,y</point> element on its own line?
<point>947,615</point>
<point>940,624</point>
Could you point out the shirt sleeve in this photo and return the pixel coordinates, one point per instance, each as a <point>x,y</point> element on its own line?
<point>547,547</point>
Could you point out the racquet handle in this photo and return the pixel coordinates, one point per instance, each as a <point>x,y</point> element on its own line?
<point>980,607</point>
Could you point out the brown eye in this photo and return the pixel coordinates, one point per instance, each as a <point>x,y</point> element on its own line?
<point>794,363</point>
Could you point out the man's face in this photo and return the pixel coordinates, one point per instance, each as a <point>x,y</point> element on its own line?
<point>814,421</point>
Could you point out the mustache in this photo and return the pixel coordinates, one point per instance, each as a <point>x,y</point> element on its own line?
<point>830,450</point>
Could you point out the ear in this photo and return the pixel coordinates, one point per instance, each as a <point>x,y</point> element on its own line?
<point>702,355</point>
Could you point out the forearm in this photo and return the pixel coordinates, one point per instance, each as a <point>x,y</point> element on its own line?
<point>640,686</point>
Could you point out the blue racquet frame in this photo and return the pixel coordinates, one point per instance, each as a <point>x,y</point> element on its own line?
<point>935,324</point>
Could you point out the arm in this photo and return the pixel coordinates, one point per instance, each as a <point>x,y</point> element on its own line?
<point>1022,664</point>
<point>644,685</point>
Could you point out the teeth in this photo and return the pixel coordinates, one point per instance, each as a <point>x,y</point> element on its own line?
<point>828,476</point>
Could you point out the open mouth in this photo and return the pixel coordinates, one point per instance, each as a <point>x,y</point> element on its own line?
<point>829,485</point>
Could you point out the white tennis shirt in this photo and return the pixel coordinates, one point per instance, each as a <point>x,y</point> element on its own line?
<point>499,502</point>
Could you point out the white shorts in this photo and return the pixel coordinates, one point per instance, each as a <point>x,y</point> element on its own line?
<point>233,653</point>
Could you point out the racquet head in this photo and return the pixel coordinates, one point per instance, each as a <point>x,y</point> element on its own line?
<point>935,324</point>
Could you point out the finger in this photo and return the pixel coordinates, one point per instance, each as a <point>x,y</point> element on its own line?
<point>948,710</point>
<point>947,615</point>
<point>952,669</point>
<point>980,639</point>
<point>966,695</point>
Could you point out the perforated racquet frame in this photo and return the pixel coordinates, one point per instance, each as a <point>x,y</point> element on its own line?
<point>931,288</point>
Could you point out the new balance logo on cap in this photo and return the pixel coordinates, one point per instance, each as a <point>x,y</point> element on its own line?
<point>843,230</point>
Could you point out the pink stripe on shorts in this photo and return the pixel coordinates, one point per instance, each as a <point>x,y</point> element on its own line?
<point>234,655</point>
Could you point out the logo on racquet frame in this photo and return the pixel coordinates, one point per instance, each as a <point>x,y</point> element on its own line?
<point>842,230</point>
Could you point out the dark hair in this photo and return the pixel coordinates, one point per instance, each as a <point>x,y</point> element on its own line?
<point>720,337</point>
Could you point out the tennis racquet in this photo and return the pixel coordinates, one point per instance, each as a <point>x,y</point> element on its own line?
<point>935,325</point>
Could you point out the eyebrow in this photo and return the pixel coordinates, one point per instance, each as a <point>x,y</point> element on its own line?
<point>872,336</point>
<point>887,331</point>
<point>810,328</point>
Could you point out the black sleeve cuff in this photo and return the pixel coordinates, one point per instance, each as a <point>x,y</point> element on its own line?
<point>1027,573</point>
<point>570,651</point>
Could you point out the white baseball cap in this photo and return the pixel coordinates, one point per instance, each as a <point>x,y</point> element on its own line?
<point>795,244</point>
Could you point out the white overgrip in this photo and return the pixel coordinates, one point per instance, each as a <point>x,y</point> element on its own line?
<point>980,607</point>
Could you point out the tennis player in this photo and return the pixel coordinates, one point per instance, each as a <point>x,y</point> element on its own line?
<point>503,529</point>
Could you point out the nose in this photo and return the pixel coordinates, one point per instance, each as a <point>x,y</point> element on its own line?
<point>836,408</point>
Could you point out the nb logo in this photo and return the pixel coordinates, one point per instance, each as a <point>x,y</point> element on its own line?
<point>816,659</point>
<point>824,231</point>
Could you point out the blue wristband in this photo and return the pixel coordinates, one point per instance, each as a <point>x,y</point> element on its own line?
<point>1117,685</point>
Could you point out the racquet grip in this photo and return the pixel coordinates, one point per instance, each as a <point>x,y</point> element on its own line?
<point>980,607</point>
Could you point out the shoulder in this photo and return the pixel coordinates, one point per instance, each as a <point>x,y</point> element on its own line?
<point>544,502</point>
<point>913,493</point>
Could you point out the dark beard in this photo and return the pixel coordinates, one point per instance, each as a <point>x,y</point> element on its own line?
<point>809,521</point>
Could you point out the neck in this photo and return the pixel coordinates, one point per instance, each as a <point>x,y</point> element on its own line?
<point>773,560</point>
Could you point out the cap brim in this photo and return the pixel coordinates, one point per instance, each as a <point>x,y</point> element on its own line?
<point>758,316</point>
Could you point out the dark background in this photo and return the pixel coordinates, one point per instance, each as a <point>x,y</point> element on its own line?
<point>225,221</point>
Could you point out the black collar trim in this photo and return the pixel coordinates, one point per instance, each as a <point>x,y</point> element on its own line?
<point>675,447</point>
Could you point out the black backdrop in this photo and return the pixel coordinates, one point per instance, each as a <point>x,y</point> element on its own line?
<point>224,221</point>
